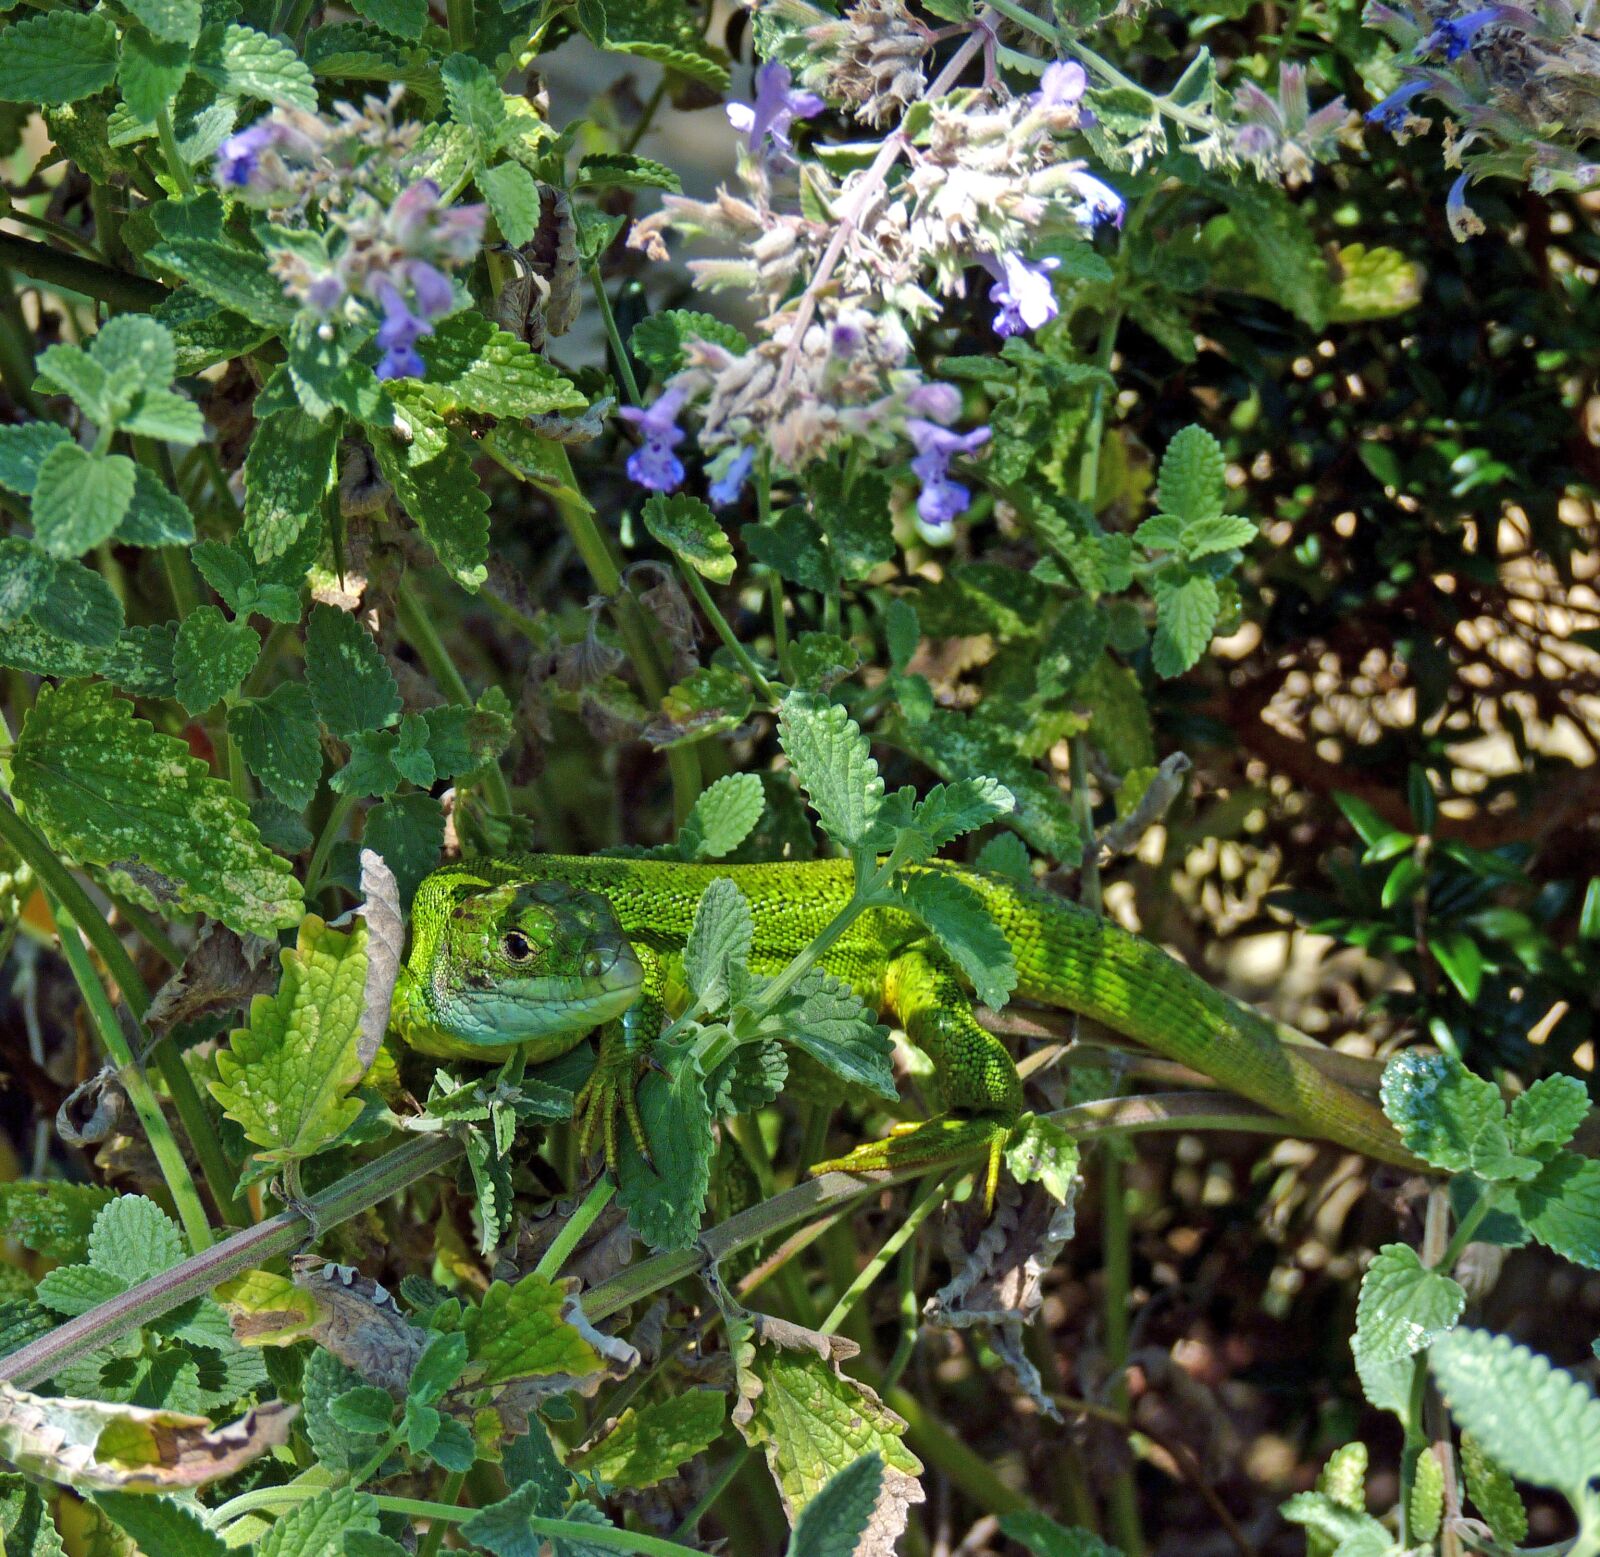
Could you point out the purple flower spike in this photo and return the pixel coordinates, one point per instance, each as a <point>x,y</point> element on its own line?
<point>936,402</point>
<point>1023,292</point>
<point>1062,85</point>
<point>1464,221</point>
<point>432,287</point>
<point>1453,37</point>
<point>653,464</point>
<point>1392,112</point>
<point>725,490</point>
<point>941,500</point>
<point>776,107</point>
<point>239,157</point>
<point>398,336</point>
<point>1101,203</point>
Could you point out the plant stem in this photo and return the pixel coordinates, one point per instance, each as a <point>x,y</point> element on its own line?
<point>176,166</point>
<point>892,1245</point>
<point>369,1185</point>
<point>719,623</point>
<point>719,1484</point>
<point>646,115</point>
<point>630,383</point>
<point>168,1155</point>
<point>459,14</point>
<point>429,645</point>
<point>338,814</point>
<point>578,1224</point>
<point>946,1453</point>
<point>450,1497</point>
<point>74,273</point>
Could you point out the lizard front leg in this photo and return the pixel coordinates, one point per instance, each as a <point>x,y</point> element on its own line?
<point>975,1071</point>
<point>624,1058</point>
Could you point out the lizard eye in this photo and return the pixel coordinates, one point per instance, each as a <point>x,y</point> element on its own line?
<point>516,946</point>
<point>593,967</point>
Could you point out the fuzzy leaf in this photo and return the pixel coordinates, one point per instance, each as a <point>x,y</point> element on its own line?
<point>134,1239</point>
<point>1186,612</point>
<point>520,1332</point>
<point>1451,1118</point>
<point>474,365</point>
<point>514,198</point>
<point>1547,1115</point>
<point>52,1219</point>
<point>288,471</point>
<point>107,788</point>
<point>477,103</point>
<point>57,57</point>
<point>245,63</point>
<point>1220,532</point>
<point>23,450</point>
<point>211,657</point>
<point>403,18</point>
<point>319,1525</point>
<point>1540,1423</point>
<point>157,516</point>
<point>1042,1152</point>
<point>1497,1499</point>
<point>719,941</point>
<point>280,742</point>
<point>1192,481</point>
<point>723,817</point>
<point>351,684</point>
<point>834,1521</point>
<point>624,170</point>
<point>178,21</point>
<point>286,1078</point>
<point>975,943</point>
<point>833,762</point>
<point>161,1525</point>
<point>433,478</point>
<point>824,1016</point>
<point>1561,1208</point>
<point>79,498</point>
<point>658,341</point>
<point>664,1206</point>
<point>1404,1306</point>
<point>689,530</point>
<point>649,1445</point>
<point>236,277</point>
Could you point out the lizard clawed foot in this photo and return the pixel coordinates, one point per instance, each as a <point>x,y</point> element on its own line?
<point>613,1085</point>
<point>945,1139</point>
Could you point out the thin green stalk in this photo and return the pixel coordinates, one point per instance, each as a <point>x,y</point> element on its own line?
<point>107,224</point>
<point>425,639</point>
<point>459,15</point>
<point>16,349</point>
<point>630,384</point>
<point>450,1497</point>
<point>646,115</point>
<point>176,166</point>
<point>74,273</point>
<point>57,230</point>
<point>719,623</point>
<point>578,1224</point>
<point>299,16</point>
<point>1485,1203</point>
<point>910,1311</point>
<point>719,1484</point>
<point>892,1245</point>
<point>338,815</point>
<point>168,1155</point>
<point>180,580</point>
<point>964,1467</point>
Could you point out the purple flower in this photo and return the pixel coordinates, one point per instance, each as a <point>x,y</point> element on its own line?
<point>776,107</point>
<point>937,402</point>
<point>239,157</point>
<point>1023,292</point>
<point>941,500</point>
<point>1101,203</point>
<point>653,464</point>
<point>1062,85</point>
<point>1464,221</point>
<point>1392,112</point>
<point>1454,36</point>
<point>398,335</point>
<point>432,288</point>
<point>425,230</point>
<point>725,490</point>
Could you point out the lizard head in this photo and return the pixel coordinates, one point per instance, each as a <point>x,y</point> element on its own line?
<point>496,966</point>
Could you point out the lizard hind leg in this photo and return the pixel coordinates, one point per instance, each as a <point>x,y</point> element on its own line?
<point>950,1139</point>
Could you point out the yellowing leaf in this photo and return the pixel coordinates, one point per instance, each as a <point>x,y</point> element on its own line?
<point>267,1310</point>
<point>646,1447</point>
<point>536,1330</point>
<point>286,1078</point>
<point>88,1443</point>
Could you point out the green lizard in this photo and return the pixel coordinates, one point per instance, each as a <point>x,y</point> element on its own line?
<point>535,951</point>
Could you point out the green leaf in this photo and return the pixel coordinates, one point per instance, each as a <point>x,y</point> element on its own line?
<point>433,478</point>
<point>150,73</point>
<point>720,938</point>
<point>1548,1115</point>
<point>245,63</point>
<point>57,57</point>
<point>442,1361</point>
<point>520,1332</point>
<point>1451,1118</point>
<point>288,470</point>
<point>1404,1306</point>
<point>724,815</point>
<point>280,742</point>
<point>659,30</point>
<point>157,516</point>
<point>211,657</point>
<point>513,197</point>
<point>105,787</point>
<point>1186,612</point>
<point>351,683</point>
<point>688,529</point>
<point>319,1525</point>
<point>403,18</point>
<point>247,589</point>
<point>476,102</point>
<point>1042,1152</point>
<point>833,762</point>
<point>1540,1423</point>
<point>810,1419</point>
<point>161,1525</point>
<point>1043,1537</point>
<point>407,832</point>
<point>975,943</point>
<point>834,1521</point>
<point>793,546</point>
<point>650,1445</point>
<point>950,811</point>
<point>25,1520</point>
<point>1218,533</point>
<point>23,450</point>
<point>236,277</point>
<point>1193,478</point>
<point>624,170</point>
<point>134,1239</point>
<point>75,1289</point>
<point>825,1017</point>
<point>1456,952</point>
<point>364,1409</point>
<point>705,702</point>
<point>1346,1532</point>
<point>177,21</point>
<point>136,351</point>
<point>79,498</point>
<point>52,1219</point>
<point>855,519</point>
<point>664,1206</point>
<point>1007,855</point>
<point>1492,1491</point>
<point>1561,1208</point>
<point>287,1077</point>
<point>658,340</point>
<point>474,365</point>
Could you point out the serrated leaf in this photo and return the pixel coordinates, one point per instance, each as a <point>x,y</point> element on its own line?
<point>351,683</point>
<point>949,811</point>
<point>834,1521</point>
<point>25,576</point>
<point>364,1409</point>
<point>403,18</point>
<point>157,516</point>
<point>1186,612</point>
<point>23,450</point>
<point>825,1017</point>
<point>287,1077</point>
<point>833,762</point>
<point>75,1289</point>
<point>107,788</point>
<point>1548,1115</point>
<point>720,938</point>
<point>177,21</point>
<point>659,30</point>
<point>624,170</point>
<point>57,57</point>
<point>1404,1306</point>
<point>477,103</point>
<point>229,274</point>
<point>513,197</point>
<point>161,1525</point>
<point>319,1524</point>
<point>665,1205</point>
<point>1561,1208</point>
<point>134,1239</point>
<point>280,742</point>
<point>649,1445</point>
<point>962,924</point>
<point>1220,532</point>
<point>520,1332</point>
<point>1043,1537</point>
<point>1451,1118</point>
<point>1161,532</point>
<point>1043,1153</point>
<point>688,529</point>
<point>1539,1422</point>
<point>474,365</point>
<point>1348,1532</point>
<point>434,480</point>
<point>289,469</point>
<point>724,815</point>
<point>211,657</point>
<point>79,498</point>
<point>51,1219</point>
<point>1497,1500</point>
<point>245,63</point>
<point>1192,481</point>
<point>658,340</point>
